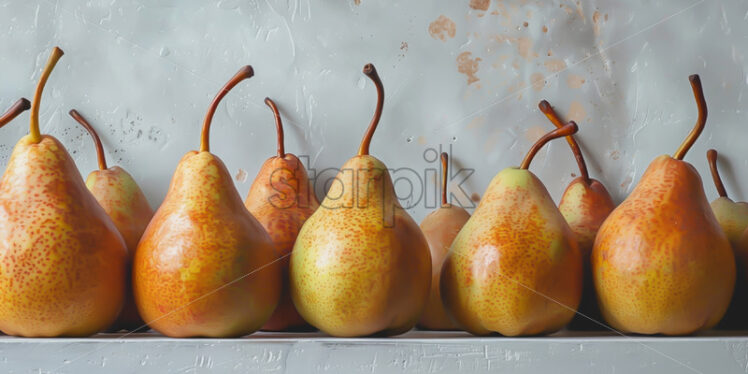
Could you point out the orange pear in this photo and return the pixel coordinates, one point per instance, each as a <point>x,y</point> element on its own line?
<point>281,199</point>
<point>440,228</point>
<point>124,202</point>
<point>360,265</point>
<point>204,266</point>
<point>585,204</point>
<point>17,108</point>
<point>515,267</point>
<point>733,218</point>
<point>661,263</point>
<point>62,260</point>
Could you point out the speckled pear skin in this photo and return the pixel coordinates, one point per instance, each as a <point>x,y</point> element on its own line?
<point>203,266</point>
<point>62,260</point>
<point>281,199</point>
<point>732,217</point>
<point>585,207</point>
<point>440,228</point>
<point>124,202</point>
<point>361,265</point>
<point>661,263</point>
<point>515,267</point>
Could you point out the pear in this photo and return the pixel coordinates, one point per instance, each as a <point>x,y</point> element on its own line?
<point>62,260</point>
<point>440,228</point>
<point>661,263</point>
<point>361,265</point>
<point>281,199</point>
<point>585,204</point>
<point>204,266</point>
<point>733,218</point>
<point>17,108</point>
<point>124,202</point>
<point>515,267</point>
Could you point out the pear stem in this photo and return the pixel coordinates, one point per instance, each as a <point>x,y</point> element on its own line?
<point>17,108</point>
<point>698,94</point>
<point>243,73</point>
<point>711,156</point>
<point>445,169</point>
<point>371,72</point>
<point>34,132</point>
<point>566,130</point>
<point>549,112</point>
<point>97,141</point>
<point>278,126</point>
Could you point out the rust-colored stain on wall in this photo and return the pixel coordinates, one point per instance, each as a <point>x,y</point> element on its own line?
<point>554,66</point>
<point>480,4</point>
<point>574,81</point>
<point>537,81</point>
<point>576,112</point>
<point>442,28</point>
<point>468,66</point>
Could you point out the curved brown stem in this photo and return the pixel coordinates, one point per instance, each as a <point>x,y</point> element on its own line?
<point>711,156</point>
<point>278,126</point>
<point>445,169</point>
<point>97,141</point>
<point>17,108</point>
<point>34,132</point>
<point>698,94</point>
<point>566,130</point>
<point>371,72</point>
<point>547,109</point>
<point>243,73</point>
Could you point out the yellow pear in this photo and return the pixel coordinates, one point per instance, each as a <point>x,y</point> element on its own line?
<point>515,267</point>
<point>661,263</point>
<point>360,265</point>
<point>204,266</point>
<point>62,260</point>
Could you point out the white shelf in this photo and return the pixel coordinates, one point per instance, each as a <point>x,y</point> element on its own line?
<point>414,352</point>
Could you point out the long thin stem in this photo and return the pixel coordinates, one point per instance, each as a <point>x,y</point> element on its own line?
<point>698,94</point>
<point>17,108</point>
<point>243,73</point>
<point>97,141</point>
<point>445,170</point>
<point>371,72</point>
<point>549,112</point>
<point>278,126</point>
<point>34,132</point>
<point>711,156</point>
<point>566,130</point>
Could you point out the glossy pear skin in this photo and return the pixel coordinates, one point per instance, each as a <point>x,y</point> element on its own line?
<point>281,199</point>
<point>440,228</point>
<point>661,263</point>
<point>124,202</point>
<point>202,268</point>
<point>62,260</point>
<point>585,207</point>
<point>511,259</point>
<point>361,265</point>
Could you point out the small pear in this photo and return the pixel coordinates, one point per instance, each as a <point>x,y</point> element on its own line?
<point>281,198</point>
<point>17,108</point>
<point>440,228</point>
<point>360,265</point>
<point>515,267</point>
<point>661,263</point>
<point>62,260</point>
<point>585,204</point>
<point>124,202</point>
<point>204,266</point>
<point>733,218</point>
